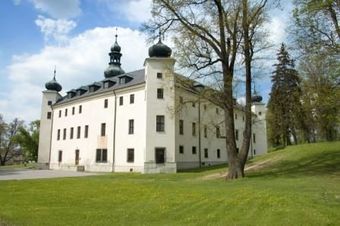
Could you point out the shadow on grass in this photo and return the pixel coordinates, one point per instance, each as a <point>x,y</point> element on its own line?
<point>317,164</point>
<point>205,169</point>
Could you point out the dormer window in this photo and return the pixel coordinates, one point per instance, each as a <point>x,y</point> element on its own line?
<point>80,91</point>
<point>108,84</point>
<point>71,94</point>
<point>93,88</point>
<point>124,79</point>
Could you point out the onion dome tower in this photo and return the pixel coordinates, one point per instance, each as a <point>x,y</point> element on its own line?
<point>255,98</point>
<point>114,68</point>
<point>160,49</point>
<point>53,84</point>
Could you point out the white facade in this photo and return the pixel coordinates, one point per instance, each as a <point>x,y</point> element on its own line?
<point>161,133</point>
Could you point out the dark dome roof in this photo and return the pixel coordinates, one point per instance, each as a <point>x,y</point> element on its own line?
<point>256,98</point>
<point>53,85</point>
<point>115,47</point>
<point>160,50</point>
<point>113,70</point>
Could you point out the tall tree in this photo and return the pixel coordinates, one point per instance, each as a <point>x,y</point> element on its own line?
<point>209,37</point>
<point>28,139</point>
<point>284,106</point>
<point>8,146</point>
<point>316,26</point>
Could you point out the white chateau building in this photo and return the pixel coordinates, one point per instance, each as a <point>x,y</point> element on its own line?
<point>144,121</point>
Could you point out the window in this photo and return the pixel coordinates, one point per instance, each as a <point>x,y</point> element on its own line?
<point>206,153</point>
<point>205,107</point>
<point>181,149</point>
<point>131,126</point>
<point>218,133</point>
<point>218,153</point>
<point>254,138</point>
<point>243,118</point>
<point>194,129</point>
<point>130,155</point>
<point>59,113</point>
<point>235,116</point>
<point>194,150</point>
<point>254,152</point>
<point>49,115</point>
<point>205,131</point>
<point>101,155</point>
<point>49,102</point>
<point>181,100</point>
<point>60,156</point>
<point>80,109</point>
<point>73,110</point>
<point>58,134</point>
<point>160,123</point>
<point>236,134</point>
<point>106,103</point>
<point>71,132</point>
<point>160,93</point>
<point>65,112</point>
<point>217,111</point>
<point>86,134</point>
<point>132,98</point>
<point>160,155</point>
<point>64,134</point>
<point>181,127</point>
<point>121,100</point>
<point>159,75</point>
<point>78,132</point>
<point>260,113</point>
<point>193,104</point>
<point>103,128</point>
<point>237,150</point>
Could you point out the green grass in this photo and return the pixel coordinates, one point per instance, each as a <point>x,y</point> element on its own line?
<point>296,186</point>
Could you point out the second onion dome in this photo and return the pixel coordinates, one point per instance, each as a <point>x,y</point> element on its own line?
<point>160,49</point>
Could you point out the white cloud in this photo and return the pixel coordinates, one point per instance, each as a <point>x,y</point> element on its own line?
<point>80,62</point>
<point>132,10</point>
<point>55,29</point>
<point>16,2</point>
<point>58,8</point>
<point>277,30</point>
<point>138,10</point>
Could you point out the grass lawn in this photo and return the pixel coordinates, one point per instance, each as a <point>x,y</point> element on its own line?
<point>296,186</point>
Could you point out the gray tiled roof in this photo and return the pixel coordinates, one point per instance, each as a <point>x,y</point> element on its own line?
<point>134,78</point>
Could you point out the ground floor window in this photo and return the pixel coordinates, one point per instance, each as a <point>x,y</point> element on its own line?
<point>130,155</point>
<point>206,153</point>
<point>60,156</point>
<point>218,153</point>
<point>194,150</point>
<point>160,155</point>
<point>181,149</point>
<point>101,155</point>
<point>77,157</point>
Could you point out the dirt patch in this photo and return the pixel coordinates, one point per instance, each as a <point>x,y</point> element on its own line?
<point>251,167</point>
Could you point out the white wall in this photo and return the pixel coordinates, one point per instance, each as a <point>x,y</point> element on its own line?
<point>156,107</point>
<point>46,126</point>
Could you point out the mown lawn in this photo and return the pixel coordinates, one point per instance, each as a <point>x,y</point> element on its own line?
<point>296,186</point>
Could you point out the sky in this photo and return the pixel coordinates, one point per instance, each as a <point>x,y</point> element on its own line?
<point>75,36</point>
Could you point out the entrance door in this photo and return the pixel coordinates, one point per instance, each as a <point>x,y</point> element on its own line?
<point>160,155</point>
<point>77,157</point>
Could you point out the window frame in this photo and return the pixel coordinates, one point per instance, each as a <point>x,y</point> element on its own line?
<point>103,129</point>
<point>131,129</point>
<point>130,158</point>
<point>101,155</point>
<point>160,93</point>
<point>132,98</point>
<point>121,101</point>
<point>160,123</point>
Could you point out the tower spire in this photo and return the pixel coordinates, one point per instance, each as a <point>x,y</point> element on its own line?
<point>55,72</point>
<point>114,68</point>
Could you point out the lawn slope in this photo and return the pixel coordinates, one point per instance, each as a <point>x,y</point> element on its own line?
<point>299,185</point>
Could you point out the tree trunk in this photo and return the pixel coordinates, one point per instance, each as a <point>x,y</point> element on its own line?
<point>247,60</point>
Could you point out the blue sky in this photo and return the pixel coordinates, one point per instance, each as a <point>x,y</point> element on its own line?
<point>75,36</point>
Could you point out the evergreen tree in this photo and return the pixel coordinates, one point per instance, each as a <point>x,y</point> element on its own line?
<point>284,106</point>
